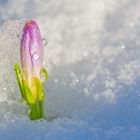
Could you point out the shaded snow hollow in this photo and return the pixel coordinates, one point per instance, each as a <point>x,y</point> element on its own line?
<point>93,60</point>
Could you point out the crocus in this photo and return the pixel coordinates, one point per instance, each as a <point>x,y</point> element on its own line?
<point>32,74</point>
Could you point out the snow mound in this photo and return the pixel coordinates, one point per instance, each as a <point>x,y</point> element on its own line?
<point>93,61</point>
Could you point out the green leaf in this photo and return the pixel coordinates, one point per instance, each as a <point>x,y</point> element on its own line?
<point>29,96</point>
<point>39,87</point>
<point>19,80</point>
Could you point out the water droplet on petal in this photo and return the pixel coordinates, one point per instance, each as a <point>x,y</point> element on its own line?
<point>44,42</point>
<point>35,56</point>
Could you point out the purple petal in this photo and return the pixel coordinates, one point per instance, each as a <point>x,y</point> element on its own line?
<point>32,51</point>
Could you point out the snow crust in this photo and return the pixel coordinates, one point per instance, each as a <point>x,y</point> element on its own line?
<point>93,61</point>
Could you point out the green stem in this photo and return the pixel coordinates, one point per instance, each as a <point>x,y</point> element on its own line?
<point>41,108</point>
<point>36,110</point>
<point>33,112</point>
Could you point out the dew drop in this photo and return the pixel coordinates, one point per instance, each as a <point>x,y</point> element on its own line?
<point>35,56</point>
<point>44,42</point>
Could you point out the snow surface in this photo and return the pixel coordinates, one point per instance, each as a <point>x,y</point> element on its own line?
<point>93,60</point>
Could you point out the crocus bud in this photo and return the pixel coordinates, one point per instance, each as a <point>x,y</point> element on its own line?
<point>30,76</point>
<point>32,51</point>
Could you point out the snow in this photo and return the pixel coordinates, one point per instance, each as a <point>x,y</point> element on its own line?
<point>92,56</point>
